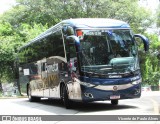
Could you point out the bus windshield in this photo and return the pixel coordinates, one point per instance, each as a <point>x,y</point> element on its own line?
<point>108,51</point>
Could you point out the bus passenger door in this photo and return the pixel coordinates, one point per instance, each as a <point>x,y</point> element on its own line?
<point>44,74</point>
<point>74,87</point>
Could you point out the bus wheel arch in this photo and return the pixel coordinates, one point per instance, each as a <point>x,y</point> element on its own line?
<point>30,97</point>
<point>29,93</point>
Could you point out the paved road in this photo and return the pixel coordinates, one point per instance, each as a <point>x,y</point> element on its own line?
<point>126,107</point>
<point>148,104</point>
<point>154,96</point>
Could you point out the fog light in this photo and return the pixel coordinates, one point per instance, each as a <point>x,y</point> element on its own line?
<point>136,91</point>
<point>88,95</point>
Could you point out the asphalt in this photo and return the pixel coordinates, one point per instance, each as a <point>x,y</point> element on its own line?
<point>154,96</point>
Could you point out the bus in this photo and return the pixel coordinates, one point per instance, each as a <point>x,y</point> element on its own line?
<point>82,60</point>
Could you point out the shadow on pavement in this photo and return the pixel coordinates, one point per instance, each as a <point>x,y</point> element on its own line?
<point>77,106</point>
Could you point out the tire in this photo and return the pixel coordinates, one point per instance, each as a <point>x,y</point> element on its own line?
<point>32,98</point>
<point>66,101</point>
<point>114,102</point>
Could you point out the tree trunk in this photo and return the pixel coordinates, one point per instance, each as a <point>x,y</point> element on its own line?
<point>18,85</point>
<point>1,89</point>
<point>16,76</point>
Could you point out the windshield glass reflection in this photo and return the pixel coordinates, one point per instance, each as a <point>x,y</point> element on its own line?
<point>108,51</point>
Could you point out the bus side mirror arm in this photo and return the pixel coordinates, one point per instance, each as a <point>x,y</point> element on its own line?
<point>145,41</point>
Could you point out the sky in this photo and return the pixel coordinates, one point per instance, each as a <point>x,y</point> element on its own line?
<point>150,4</point>
<point>5,5</point>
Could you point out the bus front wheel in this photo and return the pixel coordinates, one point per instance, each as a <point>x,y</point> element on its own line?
<point>65,99</point>
<point>114,102</point>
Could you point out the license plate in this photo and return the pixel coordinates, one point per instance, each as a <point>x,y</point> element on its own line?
<point>115,97</point>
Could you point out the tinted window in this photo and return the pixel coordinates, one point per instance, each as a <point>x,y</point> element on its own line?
<point>51,45</point>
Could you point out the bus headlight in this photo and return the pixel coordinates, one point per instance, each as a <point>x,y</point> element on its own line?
<point>136,82</point>
<point>83,83</point>
<point>86,84</point>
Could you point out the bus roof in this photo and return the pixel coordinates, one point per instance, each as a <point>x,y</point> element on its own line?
<point>96,23</point>
<point>83,23</point>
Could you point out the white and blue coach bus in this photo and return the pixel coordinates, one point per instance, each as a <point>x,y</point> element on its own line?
<point>82,60</point>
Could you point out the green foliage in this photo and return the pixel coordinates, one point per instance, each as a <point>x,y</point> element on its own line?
<point>6,50</point>
<point>150,63</point>
<point>5,29</point>
<point>152,71</point>
<point>51,12</point>
<point>154,42</point>
<point>29,32</point>
<point>10,40</point>
<point>158,17</point>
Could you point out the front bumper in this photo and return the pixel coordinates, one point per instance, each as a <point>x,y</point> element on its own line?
<point>93,94</point>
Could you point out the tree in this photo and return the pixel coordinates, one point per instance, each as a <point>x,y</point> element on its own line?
<point>158,17</point>
<point>152,70</point>
<point>50,12</point>
<point>6,53</point>
<point>150,62</point>
<point>10,41</point>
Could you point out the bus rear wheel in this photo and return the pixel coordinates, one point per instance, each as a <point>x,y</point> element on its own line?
<point>65,99</point>
<point>114,102</point>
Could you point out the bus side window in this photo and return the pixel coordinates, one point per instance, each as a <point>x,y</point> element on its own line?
<point>43,66</point>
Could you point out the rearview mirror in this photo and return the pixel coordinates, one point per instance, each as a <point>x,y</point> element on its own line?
<point>145,41</point>
<point>73,40</point>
